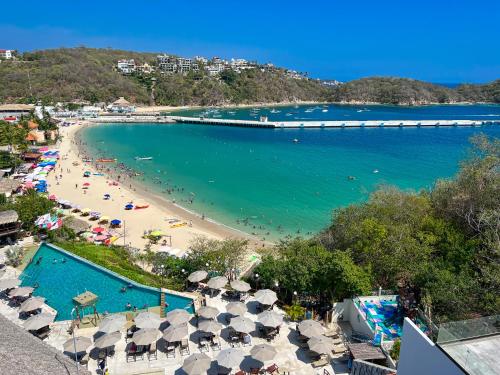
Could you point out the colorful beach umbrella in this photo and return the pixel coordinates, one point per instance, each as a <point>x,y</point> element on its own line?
<point>115,222</point>
<point>129,206</point>
<point>100,238</point>
<point>103,219</point>
<point>157,233</point>
<point>98,230</point>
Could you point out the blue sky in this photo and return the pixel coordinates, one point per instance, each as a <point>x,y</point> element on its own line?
<point>441,41</point>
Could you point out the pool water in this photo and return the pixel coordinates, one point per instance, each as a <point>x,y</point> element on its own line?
<point>60,276</point>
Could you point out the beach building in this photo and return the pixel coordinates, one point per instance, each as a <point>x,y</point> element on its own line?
<point>173,64</point>
<point>121,105</point>
<point>126,66</point>
<point>9,220</point>
<point>144,68</point>
<point>15,110</point>
<point>6,54</point>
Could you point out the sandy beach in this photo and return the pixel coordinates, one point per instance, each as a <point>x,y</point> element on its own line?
<point>67,180</point>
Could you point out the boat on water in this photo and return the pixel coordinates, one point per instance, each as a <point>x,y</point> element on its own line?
<point>275,111</point>
<point>104,160</point>
<point>144,158</point>
<point>295,140</point>
<point>324,110</point>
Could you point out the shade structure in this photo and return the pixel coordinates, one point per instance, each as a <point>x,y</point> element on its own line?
<point>197,364</point>
<point>104,219</point>
<point>100,238</point>
<point>22,291</point>
<point>107,340</point>
<point>266,296</point>
<point>115,222</point>
<point>112,323</point>
<point>175,332</point>
<point>321,344</point>
<point>129,206</point>
<point>38,321</point>
<point>310,328</point>
<point>240,285</point>
<point>230,358</point>
<point>32,304</point>
<point>197,276</point>
<point>208,312</point>
<point>263,352</point>
<point>145,336</point>
<point>217,282</point>
<point>270,318</point>
<point>157,233</point>
<point>210,326</point>
<point>236,308</point>
<point>178,316</point>
<point>9,283</point>
<point>98,229</point>
<point>148,320</point>
<point>242,324</point>
<point>81,344</point>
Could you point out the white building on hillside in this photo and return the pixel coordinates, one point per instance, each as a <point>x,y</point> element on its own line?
<point>126,66</point>
<point>6,54</point>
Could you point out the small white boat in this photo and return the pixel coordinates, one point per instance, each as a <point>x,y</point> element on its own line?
<point>275,111</point>
<point>144,158</point>
<point>295,140</point>
<point>324,110</point>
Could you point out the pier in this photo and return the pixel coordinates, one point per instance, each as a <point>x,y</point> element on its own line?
<point>331,123</point>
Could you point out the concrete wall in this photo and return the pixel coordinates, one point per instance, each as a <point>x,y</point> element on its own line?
<point>419,355</point>
<point>355,317</point>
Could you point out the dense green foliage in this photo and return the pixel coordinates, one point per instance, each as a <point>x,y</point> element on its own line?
<point>29,207</point>
<point>444,244</point>
<point>389,90</point>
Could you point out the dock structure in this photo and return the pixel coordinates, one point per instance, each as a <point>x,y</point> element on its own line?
<point>331,123</point>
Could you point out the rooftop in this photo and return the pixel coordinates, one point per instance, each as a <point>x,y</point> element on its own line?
<point>9,216</point>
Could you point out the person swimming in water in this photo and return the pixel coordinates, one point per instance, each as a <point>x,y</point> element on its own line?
<point>123,289</point>
<point>38,261</point>
<point>128,305</point>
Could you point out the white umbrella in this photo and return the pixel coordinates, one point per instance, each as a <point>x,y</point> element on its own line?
<point>242,324</point>
<point>310,328</point>
<point>236,308</point>
<point>263,352</point>
<point>112,323</point>
<point>240,285</point>
<point>81,343</point>
<point>197,276</point>
<point>266,296</point>
<point>270,318</point>
<point>178,316</point>
<point>208,312</point>
<point>321,344</point>
<point>197,364</point>
<point>147,320</point>
<point>32,304</point>
<point>9,283</point>
<point>145,336</point>
<point>21,291</point>
<point>107,340</point>
<point>176,332</point>
<point>217,282</point>
<point>230,358</point>
<point>210,326</point>
<point>38,321</point>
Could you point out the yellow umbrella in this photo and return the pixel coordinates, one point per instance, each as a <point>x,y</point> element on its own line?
<point>86,210</point>
<point>104,219</point>
<point>156,233</point>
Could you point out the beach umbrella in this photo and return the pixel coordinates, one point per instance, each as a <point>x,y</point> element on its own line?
<point>9,283</point>
<point>156,233</point>
<point>52,197</point>
<point>107,340</point>
<point>103,219</point>
<point>38,321</point>
<point>112,323</point>
<point>242,324</point>
<point>175,332</point>
<point>100,238</point>
<point>210,326</point>
<point>230,358</point>
<point>77,208</point>
<point>321,344</point>
<point>197,276</point>
<point>236,308</point>
<point>21,291</point>
<point>208,312</point>
<point>310,328</point>
<point>129,206</point>
<point>145,336</point>
<point>147,320</point>
<point>115,222</point>
<point>263,352</point>
<point>95,214</point>
<point>98,230</point>
<point>266,296</point>
<point>81,343</point>
<point>107,196</point>
<point>31,304</point>
<point>240,285</point>
<point>86,184</point>
<point>197,364</point>
<point>86,210</point>
<point>217,282</point>
<point>270,318</point>
<point>178,316</point>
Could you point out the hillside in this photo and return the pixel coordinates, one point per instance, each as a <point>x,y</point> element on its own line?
<point>67,74</point>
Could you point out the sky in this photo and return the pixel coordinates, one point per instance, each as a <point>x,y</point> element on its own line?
<point>443,41</point>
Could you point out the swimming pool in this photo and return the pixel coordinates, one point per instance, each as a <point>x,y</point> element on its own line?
<point>59,276</point>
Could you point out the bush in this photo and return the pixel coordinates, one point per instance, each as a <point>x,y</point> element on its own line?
<point>295,312</point>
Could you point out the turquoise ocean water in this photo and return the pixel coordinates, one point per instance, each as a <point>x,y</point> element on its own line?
<point>259,181</point>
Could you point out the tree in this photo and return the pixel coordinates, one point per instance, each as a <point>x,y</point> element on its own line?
<point>29,207</point>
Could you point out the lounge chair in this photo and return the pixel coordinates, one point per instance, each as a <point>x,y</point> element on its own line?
<point>170,350</point>
<point>84,361</point>
<point>273,369</point>
<point>215,343</point>
<point>152,351</point>
<point>184,348</point>
<point>241,372</point>
<point>254,371</point>
<point>203,344</point>
<point>321,362</point>
<point>131,351</point>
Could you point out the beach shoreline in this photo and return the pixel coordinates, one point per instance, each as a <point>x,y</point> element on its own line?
<point>160,209</point>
